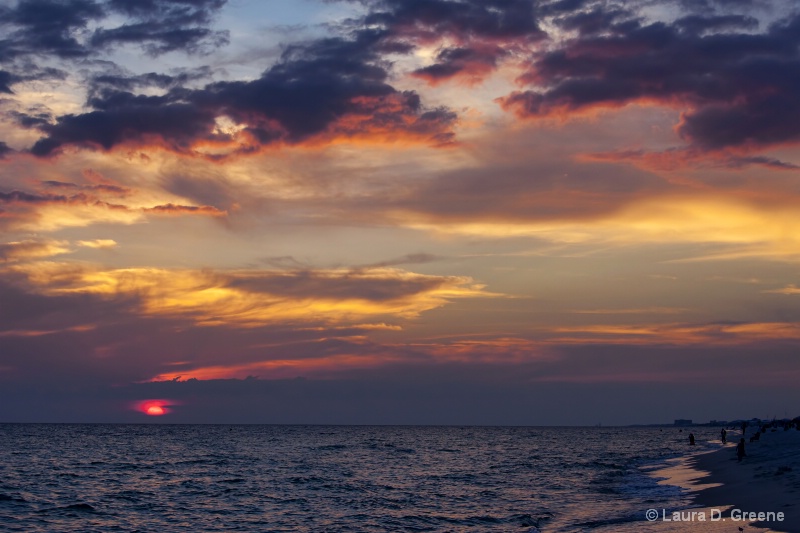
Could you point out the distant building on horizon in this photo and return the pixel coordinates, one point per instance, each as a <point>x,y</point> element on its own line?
<point>683,422</point>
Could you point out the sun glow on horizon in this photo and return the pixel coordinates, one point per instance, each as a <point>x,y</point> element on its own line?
<point>153,407</point>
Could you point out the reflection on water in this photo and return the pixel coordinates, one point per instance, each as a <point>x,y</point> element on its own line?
<point>334,478</point>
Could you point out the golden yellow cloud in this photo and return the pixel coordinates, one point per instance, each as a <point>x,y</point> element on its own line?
<point>32,249</point>
<point>252,298</point>
<point>98,243</point>
<point>750,229</point>
<point>788,290</point>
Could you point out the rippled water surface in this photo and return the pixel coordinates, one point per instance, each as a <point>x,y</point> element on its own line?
<point>160,478</point>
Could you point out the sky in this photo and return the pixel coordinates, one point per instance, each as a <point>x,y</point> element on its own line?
<point>539,212</point>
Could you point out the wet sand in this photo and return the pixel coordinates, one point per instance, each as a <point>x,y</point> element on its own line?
<point>766,481</point>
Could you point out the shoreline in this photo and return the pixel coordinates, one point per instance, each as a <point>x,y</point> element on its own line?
<point>767,480</point>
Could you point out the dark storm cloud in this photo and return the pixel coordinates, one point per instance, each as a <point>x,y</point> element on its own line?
<point>179,11</point>
<point>159,38</point>
<point>317,84</point>
<point>78,31</point>
<point>596,20</point>
<point>311,87</point>
<point>334,85</point>
<point>739,88</point>
<point>123,82</point>
<point>433,19</point>
<point>29,71</point>
<point>465,60</point>
<point>53,27</point>
<point>34,118</point>
<point>4,150</point>
<point>123,116</point>
<point>707,6</point>
<point>769,112</point>
<point>6,79</point>
<point>697,24</point>
<point>164,26</point>
<point>484,31</point>
<point>61,28</point>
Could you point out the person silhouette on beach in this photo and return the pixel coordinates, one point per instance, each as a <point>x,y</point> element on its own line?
<point>740,450</point>
<point>691,439</point>
<point>724,436</point>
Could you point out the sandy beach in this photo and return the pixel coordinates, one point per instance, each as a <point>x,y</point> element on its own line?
<point>766,481</point>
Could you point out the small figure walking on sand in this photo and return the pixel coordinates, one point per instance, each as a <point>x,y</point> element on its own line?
<point>691,439</point>
<point>724,436</point>
<point>740,450</point>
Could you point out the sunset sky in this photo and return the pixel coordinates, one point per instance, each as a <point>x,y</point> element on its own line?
<point>399,211</point>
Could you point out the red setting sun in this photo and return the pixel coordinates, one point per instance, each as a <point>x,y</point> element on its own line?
<point>153,407</point>
<point>155,410</point>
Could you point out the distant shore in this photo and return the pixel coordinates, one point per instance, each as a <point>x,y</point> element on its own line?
<point>766,481</point>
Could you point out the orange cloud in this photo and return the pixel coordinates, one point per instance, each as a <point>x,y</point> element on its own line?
<point>681,334</point>
<point>282,368</point>
<point>357,354</point>
<point>529,105</point>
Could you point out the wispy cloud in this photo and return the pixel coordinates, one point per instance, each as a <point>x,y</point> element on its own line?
<point>788,290</point>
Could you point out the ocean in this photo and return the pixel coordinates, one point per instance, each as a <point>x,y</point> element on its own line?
<point>163,478</point>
